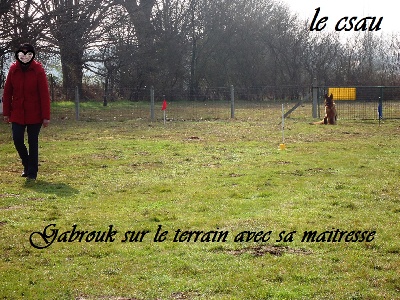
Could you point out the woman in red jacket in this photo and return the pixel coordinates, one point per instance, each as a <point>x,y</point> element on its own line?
<point>26,104</point>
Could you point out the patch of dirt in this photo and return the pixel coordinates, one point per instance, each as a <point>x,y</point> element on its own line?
<point>193,138</point>
<point>309,172</point>
<point>321,170</point>
<point>11,207</point>
<point>269,249</point>
<point>183,295</point>
<point>8,195</point>
<point>104,298</point>
<point>174,296</point>
<point>235,175</point>
<point>147,165</point>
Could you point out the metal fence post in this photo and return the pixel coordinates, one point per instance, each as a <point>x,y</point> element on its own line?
<point>152,103</point>
<point>51,87</point>
<point>76,103</point>
<point>315,113</point>
<point>380,106</point>
<point>1,101</point>
<point>232,102</point>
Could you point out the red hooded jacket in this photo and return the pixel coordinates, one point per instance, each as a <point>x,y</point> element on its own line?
<point>26,98</point>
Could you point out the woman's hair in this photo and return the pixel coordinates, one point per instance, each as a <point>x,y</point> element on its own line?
<point>26,47</point>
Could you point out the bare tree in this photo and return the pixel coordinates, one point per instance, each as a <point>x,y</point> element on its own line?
<point>170,24</point>
<point>141,17</point>
<point>322,52</point>
<point>140,13</point>
<point>389,58</point>
<point>73,25</point>
<point>5,9</point>
<point>21,22</point>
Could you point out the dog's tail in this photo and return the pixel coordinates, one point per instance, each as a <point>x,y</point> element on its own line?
<point>323,122</point>
<point>318,123</point>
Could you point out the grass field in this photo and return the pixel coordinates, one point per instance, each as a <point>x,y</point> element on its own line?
<point>222,184</point>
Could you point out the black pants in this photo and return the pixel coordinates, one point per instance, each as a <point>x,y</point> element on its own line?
<point>30,159</point>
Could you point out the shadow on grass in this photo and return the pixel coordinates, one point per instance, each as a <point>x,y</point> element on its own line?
<point>59,189</point>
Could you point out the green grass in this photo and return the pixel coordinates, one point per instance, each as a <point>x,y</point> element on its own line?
<point>204,176</point>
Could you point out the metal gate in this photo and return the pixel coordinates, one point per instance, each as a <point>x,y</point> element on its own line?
<point>363,102</point>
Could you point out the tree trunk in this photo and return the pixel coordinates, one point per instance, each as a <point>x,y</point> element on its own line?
<point>141,17</point>
<point>71,60</point>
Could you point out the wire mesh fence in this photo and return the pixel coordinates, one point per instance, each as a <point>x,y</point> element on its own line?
<point>209,104</point>
<point>224,103</point>
<point>363,103</point>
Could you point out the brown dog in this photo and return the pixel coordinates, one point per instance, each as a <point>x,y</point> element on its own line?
<point>330,112</point>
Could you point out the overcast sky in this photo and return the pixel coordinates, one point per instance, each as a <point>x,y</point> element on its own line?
<point>336,9</point>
